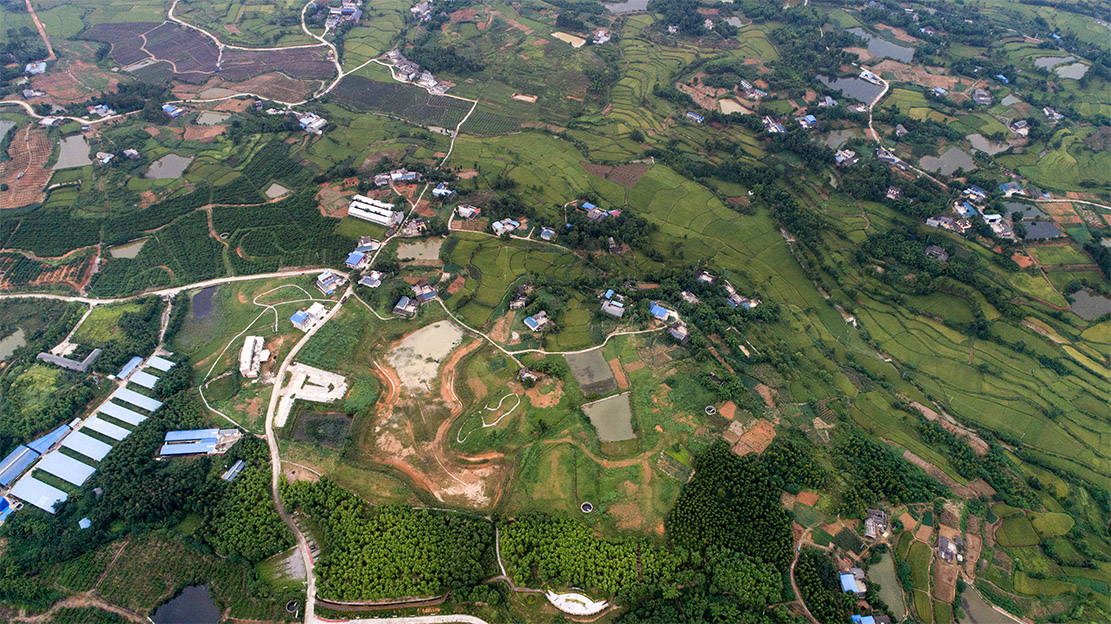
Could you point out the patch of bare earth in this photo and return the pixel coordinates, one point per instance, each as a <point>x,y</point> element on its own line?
<point>549,396</point>
<point>500,331</point>
<point>204,134</point>
<point>619,374</point>
<point>29,152</point>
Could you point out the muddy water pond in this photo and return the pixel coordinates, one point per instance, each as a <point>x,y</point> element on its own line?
<point>5,125</point>
<point>127,250</point>
<point>836,138</point>
<point>884,574</point>
<point>193,605</point>
<point>954,158</point>
<point>11,342</point>
<point>985,144</point>
<point>74,153</point>
<point>1075,71</point>
<point>417,358</point>
<point>629,6</point>
<point>210,118</point>
<point>202,302</point>
<point>1088,304</point>
<point>1049,62</point>
<point>612,418</point>
<point>169,167</point>
<point>976,610</point>
<point>425,250</point>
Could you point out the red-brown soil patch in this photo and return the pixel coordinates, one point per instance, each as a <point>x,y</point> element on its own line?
<point>809,498</point>
<point>619,374</point>
<point>29,151</point>
<point>548,399</point>
<point>500,331</point>
<point>271,85</point>
<point>917,74</point>
<point>635,366</point>
<point>1061,212</point>
<point>899,33</point>
<point>923,533</point>
<point>1022,260</point>
<point>332,201</point>
<point>768,394</point>
<point>755,439</point>
<point>74,274</point>
<point>62,85</point>
<point>456,285</point>
<point>945,581</point>
<point>463,15</point>
<point>467,174</point>
<point>728,410</point>
<point>204,134</point>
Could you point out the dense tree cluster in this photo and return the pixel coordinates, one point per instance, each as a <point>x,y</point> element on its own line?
<point>242,519</point>
<point>547,549</point>
<point>732,503</point>
<point>792,465</point>
<point>994,467</point>
<point>391,551</point>
<point>817,580</point>
<point>875,473</point>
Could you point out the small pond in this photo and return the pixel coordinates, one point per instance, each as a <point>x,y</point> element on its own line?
<point>1088,304</point>
<point>1075,71</point>
<point>10,343</point>
<point>628,6</point>
<point>985,144</point>
<point>853,87</point>
<point>612,418</point>
<point>838,137</point>
<point>169,167</point>
<point>202,302</point>
<point>74,153</point>
<point>193,605</point>
<point>1027,211</point>
<point>884,574</point>
<point>954,158</point>
<point>417,357</point>
<point>210,118</point>
<point>425,250</point>
<point>1048,62</point>
<point>1011,100</point>
<point>127,250</point>
<point>884,48</point>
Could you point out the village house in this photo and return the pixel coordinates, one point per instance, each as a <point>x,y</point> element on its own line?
<point>521,300</point>
<point>845,158</point>
<point>613,304</point>
<point>900,130</point>
<point>690,298</point>
<point>851,583</point>
<point>808,122</point>
<point>537,321</point>
<point>695,117</point>
<point>405,307</point>
<point>467,211</point>
<point>504,226</point>
<point>372,279</point>
<point>875,524</point>
<point>328,282</point>
<point>423,292</point>
<point>937,253</point>
<point>305,319</point>
<point>678,330</point>
<point>547,233</point>
<point>442,191</point>
<point>659,312</point>
<point>894,192</point>
<point>1020,128</point>
<point>981,97</point>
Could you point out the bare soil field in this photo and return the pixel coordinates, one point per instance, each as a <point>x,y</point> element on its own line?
<point>29,151</point>
<point>238,65</point>
<point>204,134</point>
<point>899,33</point>
<point>755,439</point>
<point>916,74</point>
<point>945,581</point>
<point>625,175</point>
<point>73,79</point>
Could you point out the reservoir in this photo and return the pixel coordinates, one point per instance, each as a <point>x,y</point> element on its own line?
<point>853,87</point>
<point>629,6</point>
<point>10,343</point>
<point>202,302</point>
<point>192,606</point>
<point>74,153</point>
<point>954,158</point>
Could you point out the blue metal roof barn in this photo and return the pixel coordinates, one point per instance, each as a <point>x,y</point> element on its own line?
<point>66,468</point>
<point>86,445</point>
<point>144,379</point>
<point>161,364</point>
<point>34,492</point>
<point>136,399</point>
<point>122,413</point>
<point>98,425</point>
<point>42,444</point>
<point>190,442</point>
<point>15,463</point>
<point>130,367</point>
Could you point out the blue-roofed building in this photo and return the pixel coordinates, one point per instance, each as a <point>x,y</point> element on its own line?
<point>143,379</point>
<point>15,463</point>
<point>121,413</point>
<point>1011,188</point>
<point>159,363</point>
<point>1002,78</point>
<point>34,492</point>
<point>547,233</point>
<point>86,445</point>
<point>328,282</point>
<point>42,444</point>
<point>190,442</point>
<point>138,400</point>
<point>807,121</point>
<point>35,68</point>
<point>66,468</point>
<point>234,471</point>
<point>849,583</point>
<point>658,311</point>
<point>129,368</point>
<point>84,523</point>
<point>609,294</point>
<point>940,91</point>
<point>588,206</point>
<point>964,209</point>
<point>862,619</point>
<point>695,117</point>
<point>299,318</point>
<point>355,259</point>
<point>405,307</point>
<point>537,321</point>
<point>443,191</point>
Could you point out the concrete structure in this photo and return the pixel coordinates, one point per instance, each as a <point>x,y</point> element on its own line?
<point>614,308</point>
<point>308,383</point>
<point>312,123</point>
<point>537,321</point>
<point>327,283</point>
<point>405,307</point>
<point>251,356</point>
<point>442,191</point>
<point>372,279</point>
<point>67,363</point>
<point>845,158</point>
<point>467,211</point>
<point>575,604</point>
<point>423,293</point>
<point>305,319</point>
<point>678,330</point>
<point>937,253</point>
